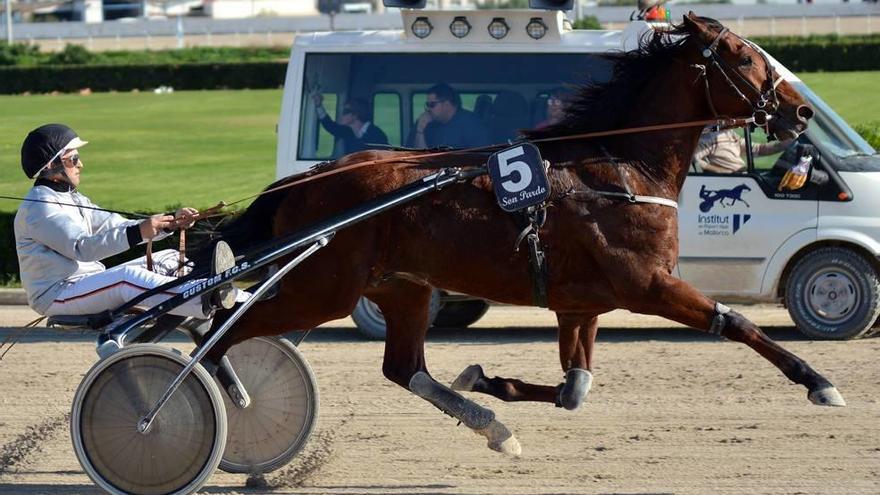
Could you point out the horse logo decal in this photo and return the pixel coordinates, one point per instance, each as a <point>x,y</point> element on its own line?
<point>732,195</point>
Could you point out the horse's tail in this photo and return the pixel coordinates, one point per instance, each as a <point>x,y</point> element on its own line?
<point>245,230</point>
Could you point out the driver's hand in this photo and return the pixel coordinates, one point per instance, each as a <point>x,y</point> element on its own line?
<point>317,99</point>
<point>153,226</point>
<point>796,176</point>
<point>184,218</point>
<point>424,119</point>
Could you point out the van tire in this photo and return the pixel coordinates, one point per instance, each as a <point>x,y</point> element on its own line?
<point>370,322</point>
<point>460,314</point>
<point>833,293</point>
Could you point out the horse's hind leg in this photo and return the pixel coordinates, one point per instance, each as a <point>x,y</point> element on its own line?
<point>577,334</point>
<point>405,308</point>
<point>676,300</point>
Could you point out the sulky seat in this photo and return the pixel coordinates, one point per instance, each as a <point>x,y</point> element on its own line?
<point>93,321</point>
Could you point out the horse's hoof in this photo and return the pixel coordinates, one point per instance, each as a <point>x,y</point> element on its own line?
<point>828,396</point>
<point>466,380</point>
<point>501,439</point>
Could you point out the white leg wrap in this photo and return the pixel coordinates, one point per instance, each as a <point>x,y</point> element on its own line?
<point>720,319</point>
<point>477,418</point>
<point>575,389</point>
<point>468,412</point>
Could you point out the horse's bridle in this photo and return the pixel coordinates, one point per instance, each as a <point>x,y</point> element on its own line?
<point>767,100</point>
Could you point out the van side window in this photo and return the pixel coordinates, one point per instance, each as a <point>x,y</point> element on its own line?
<point>386,115</point>
<point>499,89</point>
<point>326,141</point>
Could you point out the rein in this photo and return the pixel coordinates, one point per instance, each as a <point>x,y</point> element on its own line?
<point>216,211</point>
<point>736,122</point>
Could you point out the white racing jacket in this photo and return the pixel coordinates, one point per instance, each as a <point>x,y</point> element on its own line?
<point>59,244</point>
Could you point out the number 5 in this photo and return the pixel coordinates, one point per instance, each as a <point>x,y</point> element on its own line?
<point>507,168</point>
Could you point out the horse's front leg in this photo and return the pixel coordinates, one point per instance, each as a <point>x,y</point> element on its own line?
<point>405,308</point>
<point>676,300</point>
<point>577,334</point>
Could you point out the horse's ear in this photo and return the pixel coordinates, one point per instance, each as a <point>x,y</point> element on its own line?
<point>694,24</point>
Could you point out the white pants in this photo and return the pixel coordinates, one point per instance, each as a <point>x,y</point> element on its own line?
<point>116,286</point>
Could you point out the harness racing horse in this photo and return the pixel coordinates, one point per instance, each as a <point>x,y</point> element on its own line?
<point>603,252</point>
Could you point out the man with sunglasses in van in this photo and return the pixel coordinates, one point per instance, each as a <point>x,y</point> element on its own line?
<point>61,236</point>
<point>354,127</point>
<point>445,123</point>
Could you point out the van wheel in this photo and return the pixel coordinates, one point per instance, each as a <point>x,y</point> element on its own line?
<point>371,324</point>
<point>459,314</point>
<point>833,293</point>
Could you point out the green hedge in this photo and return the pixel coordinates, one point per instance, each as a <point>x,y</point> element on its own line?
<point>8,257</point>
<point>253,75</point>
<point>30,55</point>
<point>827,53</point>
<point>871,133</point>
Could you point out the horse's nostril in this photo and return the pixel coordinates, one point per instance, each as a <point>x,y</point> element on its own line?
<point>804,113</point>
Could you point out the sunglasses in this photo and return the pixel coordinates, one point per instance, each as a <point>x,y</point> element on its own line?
<point>74,158</point>
<point>432,104</point>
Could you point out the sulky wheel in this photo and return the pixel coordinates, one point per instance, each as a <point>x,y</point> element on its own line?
<point>182,447</point>
<point>283,408</point>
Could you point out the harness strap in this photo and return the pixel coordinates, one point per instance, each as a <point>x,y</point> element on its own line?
<point>181,256</point>
<point>628,195</point>
<point>637,198</point>
<point>150,255</point>
<point>531,220</point>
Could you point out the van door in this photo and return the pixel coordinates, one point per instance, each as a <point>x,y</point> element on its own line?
<point>731,221</point>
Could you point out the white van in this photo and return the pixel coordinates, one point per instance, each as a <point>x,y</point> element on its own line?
<point>815,250</point>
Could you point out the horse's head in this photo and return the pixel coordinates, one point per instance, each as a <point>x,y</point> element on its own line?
<point>739,80</point>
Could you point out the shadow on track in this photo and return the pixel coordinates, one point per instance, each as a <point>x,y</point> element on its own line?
<point>464,336</point>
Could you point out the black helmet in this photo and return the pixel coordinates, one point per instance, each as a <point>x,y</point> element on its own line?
<point>44,144</point>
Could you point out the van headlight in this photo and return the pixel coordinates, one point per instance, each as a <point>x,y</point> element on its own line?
<point>498,28</point>
<point>460,27</point>
<point>536,28</point>
<point>421,27</point>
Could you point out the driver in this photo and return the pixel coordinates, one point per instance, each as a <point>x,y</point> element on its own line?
<point>60,246</point>
<point>721,152</point>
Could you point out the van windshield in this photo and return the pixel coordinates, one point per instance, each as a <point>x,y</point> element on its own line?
<point>829,131</point>
<point>370,99</point>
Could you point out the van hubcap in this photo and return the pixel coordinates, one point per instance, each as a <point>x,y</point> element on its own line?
<point>832,296</point>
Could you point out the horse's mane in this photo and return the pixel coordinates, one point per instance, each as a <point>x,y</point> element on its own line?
<point>600,106</point>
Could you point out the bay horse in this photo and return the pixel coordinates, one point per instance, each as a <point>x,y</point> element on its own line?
<point>603,253</point>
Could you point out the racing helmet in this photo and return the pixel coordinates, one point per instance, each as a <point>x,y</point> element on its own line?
<point>45,144</point>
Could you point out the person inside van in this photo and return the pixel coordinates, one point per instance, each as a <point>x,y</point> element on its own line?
<point>445,123</point>
<point>722,152</point>
<point>555,107</point>
<point>354,127</point>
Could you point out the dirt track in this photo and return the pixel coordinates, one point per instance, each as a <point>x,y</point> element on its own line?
<point>670,411</point>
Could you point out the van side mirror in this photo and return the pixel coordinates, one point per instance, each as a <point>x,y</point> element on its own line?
<point>551,4</point>
<point>405,4</point>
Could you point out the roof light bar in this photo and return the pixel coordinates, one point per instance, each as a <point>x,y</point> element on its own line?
<point>498,28</point>
<point>421,27</point>
<point>460,27</point>
<point>536,28</point>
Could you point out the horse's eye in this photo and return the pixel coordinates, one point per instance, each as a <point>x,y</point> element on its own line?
<point>746,61</point>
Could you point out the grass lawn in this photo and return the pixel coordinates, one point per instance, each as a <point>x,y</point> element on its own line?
<point>853,95</point>
<point>151,151</point>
